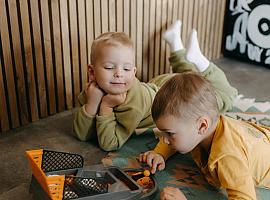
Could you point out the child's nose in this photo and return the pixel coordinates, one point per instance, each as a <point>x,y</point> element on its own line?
<point>118,72</point>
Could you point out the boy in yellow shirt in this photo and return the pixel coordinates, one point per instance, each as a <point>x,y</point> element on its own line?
<point>115,102</point>
<point>231,154</point>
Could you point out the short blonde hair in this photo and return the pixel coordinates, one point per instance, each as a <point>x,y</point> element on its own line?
<point>187,95</point>
<point>110,39</point>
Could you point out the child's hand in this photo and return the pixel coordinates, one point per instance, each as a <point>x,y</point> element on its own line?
<point>109,101</point>
<point>154,160</point>
<point>93,92</point>
<point>94,95</point>
<point>171,193</point>
<point>112,100</point>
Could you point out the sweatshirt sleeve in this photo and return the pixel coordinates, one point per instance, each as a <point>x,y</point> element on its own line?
<point>235,177</point>
<point>164,149</point>
<point>115,129</point>
<point>225,93</point>
<point>84,125</point>
<point>179,63</point>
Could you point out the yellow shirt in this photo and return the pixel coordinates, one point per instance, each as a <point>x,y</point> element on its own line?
<point>239,158</point>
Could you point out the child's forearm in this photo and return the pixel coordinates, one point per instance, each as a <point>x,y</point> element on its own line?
<point>111,135</point>
<point>105,110</point>
<point>164,149</point>
<point>110,101</point>
<point>113,130</point>
<point>84,125</point>
<point>91,108</point>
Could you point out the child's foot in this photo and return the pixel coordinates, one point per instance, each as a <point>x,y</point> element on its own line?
<point>172,36</point>
<point>194,53</point>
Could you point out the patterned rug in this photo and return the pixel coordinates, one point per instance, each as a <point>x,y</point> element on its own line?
<point>250,110</point>
<point>180,170</point>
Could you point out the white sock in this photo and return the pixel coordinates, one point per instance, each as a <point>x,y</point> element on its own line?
<point>194,53</point>
<point>172,36</point>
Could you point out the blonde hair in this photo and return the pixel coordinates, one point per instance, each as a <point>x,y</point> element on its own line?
<point>110,39</point>
<point>187,95</point>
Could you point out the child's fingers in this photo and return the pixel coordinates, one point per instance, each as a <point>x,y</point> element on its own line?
<point>161,166</point>
<point>155,165</point>
<point>90,75</point>
<point>140,158</point>
<point>162,195</point>
<point>86,86</point>
<point>149,159</point>
<point>143,157</point>
<point>146,156</point>
<point>166,194</point>
<point>173,193</point>
<point>169,190</point>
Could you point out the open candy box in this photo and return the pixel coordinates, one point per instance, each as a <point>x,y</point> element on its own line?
<point>61,176</point>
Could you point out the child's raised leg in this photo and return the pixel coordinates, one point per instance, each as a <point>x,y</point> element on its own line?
<point>225,93</point>
<point>194,53</point>
<point>172,36</point>
<point>178,53</point>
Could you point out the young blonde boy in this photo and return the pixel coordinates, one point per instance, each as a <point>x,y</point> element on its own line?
<point>231,154</point>
<point>115,102</point>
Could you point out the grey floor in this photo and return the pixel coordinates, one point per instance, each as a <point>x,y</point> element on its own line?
<point>55,132</point>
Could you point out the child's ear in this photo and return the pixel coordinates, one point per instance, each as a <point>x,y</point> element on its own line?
<point>135,70</point>
<point>203,125</point>
<point>90,73</point>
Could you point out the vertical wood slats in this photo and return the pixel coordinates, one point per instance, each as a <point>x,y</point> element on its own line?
<point>157,37</point>
<point>89,27</point>
<point>139,44</point>
<point>146,39</point>
<point>151,42</point>
<point>29,60</point>
<point>21,91</point>
<point>66,53</point>
<point>38,57</point>
<point>57,48</point>
<point>82,42</point>
<point>8,67</point>
<point>73,34</point>
<point>48,55</point>
<point>45,46</point>
<point>4,123</point>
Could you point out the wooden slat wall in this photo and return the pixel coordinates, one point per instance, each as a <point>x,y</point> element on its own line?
<point>45,46</point>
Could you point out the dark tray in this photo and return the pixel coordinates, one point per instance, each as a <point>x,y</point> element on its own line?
<point>110,183</point>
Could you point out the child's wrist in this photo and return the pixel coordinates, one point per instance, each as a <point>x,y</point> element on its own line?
<point>90,109</point>
<point>105,109</point>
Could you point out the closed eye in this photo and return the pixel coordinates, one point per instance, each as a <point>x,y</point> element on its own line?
<point>170,134</point>
<point>127,67</point>
<point>108,66</point>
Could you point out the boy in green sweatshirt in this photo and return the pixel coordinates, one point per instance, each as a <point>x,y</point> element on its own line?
<point>115,103</point>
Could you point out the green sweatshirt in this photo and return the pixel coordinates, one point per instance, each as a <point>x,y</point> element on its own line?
<point>113,131</point>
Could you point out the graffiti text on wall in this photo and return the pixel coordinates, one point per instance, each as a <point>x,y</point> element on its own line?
<point>250,30</point>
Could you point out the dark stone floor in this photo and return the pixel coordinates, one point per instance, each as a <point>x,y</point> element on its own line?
<point>55,133</point>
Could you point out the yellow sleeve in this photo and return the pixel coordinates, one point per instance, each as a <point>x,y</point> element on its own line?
<point>164,149</point>
<point>236,178</point>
